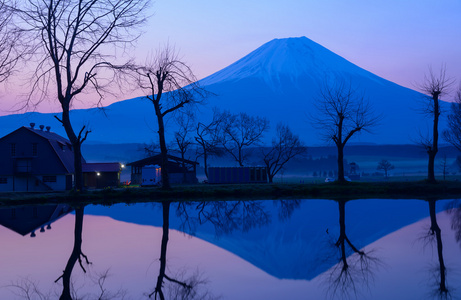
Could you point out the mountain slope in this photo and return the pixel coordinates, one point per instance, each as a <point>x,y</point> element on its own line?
<point>280,81</point>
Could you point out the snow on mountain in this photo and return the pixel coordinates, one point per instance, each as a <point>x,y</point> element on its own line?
<point>280,81</point>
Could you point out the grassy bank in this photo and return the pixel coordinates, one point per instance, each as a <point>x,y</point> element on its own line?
<point>349,190</point>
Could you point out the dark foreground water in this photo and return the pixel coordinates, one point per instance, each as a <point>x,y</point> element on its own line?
<point>270,249</point>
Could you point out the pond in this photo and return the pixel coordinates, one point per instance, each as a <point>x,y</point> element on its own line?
<point>268,249</point>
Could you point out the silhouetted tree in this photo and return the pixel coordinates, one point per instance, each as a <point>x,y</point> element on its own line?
<point>188,288</point>
<point>435,233</point>
<point>285,146</point>
<point>182,137</point>
<point>76,255</point>
<point>434,86</point>
<point>444,166</point>
<point>386,166</point>
<point>74,44</point>
<point>453,133</point>
<point>208,137</point>
<point>11,47</point>
<point>342,113</point>
<point>240,131</point>
<point>170,85</point>
<point>354,267</point>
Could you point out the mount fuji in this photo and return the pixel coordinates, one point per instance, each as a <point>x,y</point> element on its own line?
<point>280,81</point>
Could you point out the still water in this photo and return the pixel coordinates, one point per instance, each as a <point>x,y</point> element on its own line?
<point>268,249</point>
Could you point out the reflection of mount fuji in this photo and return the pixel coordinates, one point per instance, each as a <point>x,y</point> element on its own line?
<point>28,219</point>
<point>286,245</point>
<point>280,81</point>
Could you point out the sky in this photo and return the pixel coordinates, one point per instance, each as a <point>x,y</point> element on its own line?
<point>397,40</point>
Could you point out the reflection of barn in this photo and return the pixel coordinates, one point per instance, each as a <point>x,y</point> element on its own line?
<point>179,170</point>
<point>101,175</point>
<point>28,219</point>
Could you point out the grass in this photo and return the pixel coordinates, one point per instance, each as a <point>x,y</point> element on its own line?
<point>335,191</point>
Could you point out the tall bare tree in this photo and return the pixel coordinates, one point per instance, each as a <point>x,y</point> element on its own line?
<point>170,85</point>
<point>74,42</point>
<point>182,137</point>
<point>453,133</point>
<point>285,146</point>
<point>208,137</point>
<point>241,131</point>
<point>342,113</point>
<point>434,86</point>
<point>11,47</point>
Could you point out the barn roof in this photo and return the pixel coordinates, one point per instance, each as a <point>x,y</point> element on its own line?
<point>157,160</point>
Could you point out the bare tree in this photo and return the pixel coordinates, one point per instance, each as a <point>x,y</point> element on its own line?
<point>11,47</point>
<point>386,166</point>
<point>354,266</point>
<point>241,131</point>
<point>182,137</point>
<point>74,40</point>
<point>208,137</point>
<point>342,113</point>
<point>285,146</point>
<point>453,133</point>
<point>170,85</point>
<point>76,255</point>
<point>434,86</point>
<point>444,167</point>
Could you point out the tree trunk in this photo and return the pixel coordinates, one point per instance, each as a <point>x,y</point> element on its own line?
<point>435,229</point>
<point>270,176</point>
<point>163,152</point>
<point>76,147</point>
<point>342,233</point>
<point>166,228</point>
<point>75,255</point>
<point>205,163</point>
<point>430,169</point>
<point>435,139</point>
<point>340,163</point>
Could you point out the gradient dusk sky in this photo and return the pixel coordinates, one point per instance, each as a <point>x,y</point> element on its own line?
<point>395,39</point>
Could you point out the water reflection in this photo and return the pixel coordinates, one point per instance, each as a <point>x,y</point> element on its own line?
<point>273,239</point>
<point>354,267</point>
<point>434,235</point>
<point>76,255</point>
<point>454,208</point>
<point>180,288</point>
<point>225,216</point>
<point>27,220</point>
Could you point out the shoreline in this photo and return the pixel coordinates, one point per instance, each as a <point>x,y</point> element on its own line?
<point>203,192</point>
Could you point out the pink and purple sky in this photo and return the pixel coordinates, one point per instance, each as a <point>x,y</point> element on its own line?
<point>397,40</point>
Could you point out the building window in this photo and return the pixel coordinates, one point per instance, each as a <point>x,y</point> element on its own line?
<point>13,149</point>
<point>23,166</point>
<point>3,180</point>
<point>34,149</point>
<point>49,178</point>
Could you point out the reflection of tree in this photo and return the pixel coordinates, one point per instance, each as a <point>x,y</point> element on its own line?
<point>287,207</point>
<point>435,233</point>
<point>184,288</point>
<point>354,266</point>
<point>455,210</point>
<point>225,216</point>
<point>75,256</point>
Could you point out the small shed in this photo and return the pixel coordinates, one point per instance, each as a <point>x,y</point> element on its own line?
<point>237,175</point>
<point>101,175</point>
<point>180,171</point>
